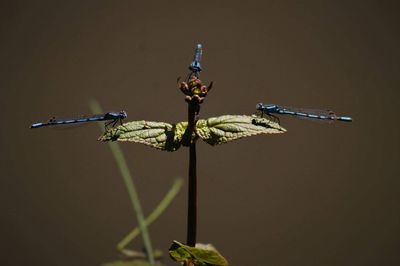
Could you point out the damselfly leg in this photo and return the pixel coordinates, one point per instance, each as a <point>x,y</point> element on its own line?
<point>270,117</point>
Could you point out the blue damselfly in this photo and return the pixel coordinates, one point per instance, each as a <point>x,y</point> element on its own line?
<point>195,67</point>
<point>324,115</point>
<point>113,117</point>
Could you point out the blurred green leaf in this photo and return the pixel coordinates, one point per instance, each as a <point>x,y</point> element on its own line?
<point>135,255</point>
<point>226,128</point>
<point>214,131</point>
<point>130,186</point>
<point>153,215</point>
<point>130,263</point>
<point>135,258</point>
<point>201,255</point>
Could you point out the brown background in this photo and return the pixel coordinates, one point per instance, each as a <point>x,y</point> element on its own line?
<point>322,194</point>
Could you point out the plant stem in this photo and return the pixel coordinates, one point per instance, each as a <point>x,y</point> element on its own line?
<point>192,191</point>
<point>130,186</point>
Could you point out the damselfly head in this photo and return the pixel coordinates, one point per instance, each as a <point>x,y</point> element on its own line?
<point>259,106</point>
<point>195,67</point>
<point>269,107</point>
<point>123,114</point>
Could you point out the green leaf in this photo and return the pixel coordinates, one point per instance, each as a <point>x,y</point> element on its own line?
<point>222,129</point>
<point>182,133</point>
<point>159,135</point>
<point>201,255</point>
<point>214,130</point>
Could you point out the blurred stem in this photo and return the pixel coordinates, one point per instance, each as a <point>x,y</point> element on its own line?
<point>192,191</point>
<point>155,214</point>
<point>133,195</point>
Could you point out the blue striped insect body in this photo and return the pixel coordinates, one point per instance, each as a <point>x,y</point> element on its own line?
<point>272,109</point>
<point>112,117</point>
<point>195,66</point>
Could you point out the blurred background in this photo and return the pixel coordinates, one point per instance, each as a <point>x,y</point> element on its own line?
<point>321,194</point>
